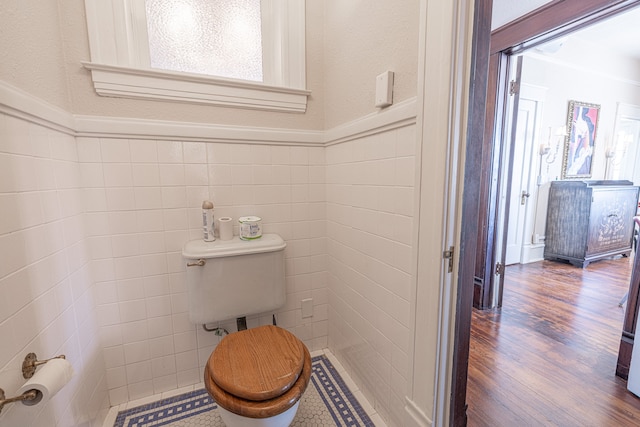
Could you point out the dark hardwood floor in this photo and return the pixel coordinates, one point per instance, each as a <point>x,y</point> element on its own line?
<point>548,357</point>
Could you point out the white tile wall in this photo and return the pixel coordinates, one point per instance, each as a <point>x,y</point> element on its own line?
<point>95,226</point>
<point>143,202</point>
<point>46,295</point>
<point>370,196</point>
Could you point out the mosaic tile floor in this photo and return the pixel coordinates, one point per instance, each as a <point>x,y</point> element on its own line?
<point>326,402</point>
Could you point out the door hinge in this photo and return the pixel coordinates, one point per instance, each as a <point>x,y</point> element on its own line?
<point>449,256</point>
<point>500,268</point>
<point>514,87</point>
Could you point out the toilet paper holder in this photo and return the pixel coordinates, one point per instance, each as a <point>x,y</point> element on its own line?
<point>29,366</point>
<point>27,395</point>
<point>31,362</point>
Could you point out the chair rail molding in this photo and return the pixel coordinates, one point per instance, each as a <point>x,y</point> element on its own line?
<point>18,103</point>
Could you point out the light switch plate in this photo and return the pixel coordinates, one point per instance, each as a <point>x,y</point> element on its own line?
<point>384,89</point>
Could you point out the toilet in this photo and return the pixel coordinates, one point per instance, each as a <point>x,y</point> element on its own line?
<point>258,375</point>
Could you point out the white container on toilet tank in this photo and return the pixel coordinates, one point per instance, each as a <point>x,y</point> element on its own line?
<point>234,278</point>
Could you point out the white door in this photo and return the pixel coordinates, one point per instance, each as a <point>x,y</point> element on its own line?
<point>623,152</point>
<point>523,187</point>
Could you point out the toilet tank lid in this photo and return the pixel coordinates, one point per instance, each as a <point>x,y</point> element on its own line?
<point>196,249</point>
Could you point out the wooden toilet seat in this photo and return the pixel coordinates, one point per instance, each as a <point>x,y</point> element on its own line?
<point>259,372</point>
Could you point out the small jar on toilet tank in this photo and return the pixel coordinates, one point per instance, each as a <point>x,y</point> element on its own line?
<point>250,227</point>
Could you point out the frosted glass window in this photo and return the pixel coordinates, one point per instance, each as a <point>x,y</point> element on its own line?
<point>188,50</point>
<point>214,37</point>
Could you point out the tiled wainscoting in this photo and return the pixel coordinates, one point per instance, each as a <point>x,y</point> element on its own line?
<point>144,202</point>
<point>92,230</point>
<point>47,302</point>
<point>370,207</point>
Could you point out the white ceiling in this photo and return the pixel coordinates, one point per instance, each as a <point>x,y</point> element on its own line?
<point>620,33</point>
<point>505,11</point>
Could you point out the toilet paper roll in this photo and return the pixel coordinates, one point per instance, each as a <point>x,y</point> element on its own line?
<point>225,227</point>
<point>48,380</point>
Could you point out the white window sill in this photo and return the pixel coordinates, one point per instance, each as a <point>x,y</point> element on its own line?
<point>116,81</point>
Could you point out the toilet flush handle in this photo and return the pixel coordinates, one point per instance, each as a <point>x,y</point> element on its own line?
<point>198,263</point>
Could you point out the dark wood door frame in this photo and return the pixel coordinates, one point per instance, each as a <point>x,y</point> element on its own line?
<point>489,50</point>
<point>630,320</point>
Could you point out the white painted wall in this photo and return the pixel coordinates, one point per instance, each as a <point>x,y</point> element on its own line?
<point>573,74</point>
<point>46,43</point>
<point>32,50</point>
<point>362,39</point>
<point>348,44</point>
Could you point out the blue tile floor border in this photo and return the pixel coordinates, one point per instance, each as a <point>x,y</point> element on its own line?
<point>326,402</point>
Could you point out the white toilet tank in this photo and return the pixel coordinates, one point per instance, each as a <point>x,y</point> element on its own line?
<point>234,278</point>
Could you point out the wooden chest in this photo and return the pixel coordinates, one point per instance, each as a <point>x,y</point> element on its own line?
<point>589,220</point>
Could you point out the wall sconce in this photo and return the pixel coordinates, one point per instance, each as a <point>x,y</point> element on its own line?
<point>609,154</point>
<point>545,149</point>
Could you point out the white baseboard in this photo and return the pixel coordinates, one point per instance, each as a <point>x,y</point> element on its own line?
<point>532,253</point>
<point>414,416</point>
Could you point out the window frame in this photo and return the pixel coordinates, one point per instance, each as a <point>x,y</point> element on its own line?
<point>119,63</point>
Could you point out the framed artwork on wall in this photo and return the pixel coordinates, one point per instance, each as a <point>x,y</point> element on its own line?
<point>582,125</point>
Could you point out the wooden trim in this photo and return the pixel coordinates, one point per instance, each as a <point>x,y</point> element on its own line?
<point>470,208</point>
<point>630,321</point>
<point>624,357</point>
<point>492,153</point>
<point>553,20</point>
<point>502,144</point>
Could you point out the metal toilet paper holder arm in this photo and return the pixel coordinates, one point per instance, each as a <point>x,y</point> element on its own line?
<point>27,395</point>
<point>29,366</point>
<point>31,362</point>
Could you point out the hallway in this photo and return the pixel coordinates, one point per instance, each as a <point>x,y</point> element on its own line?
<point>549,356</point>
